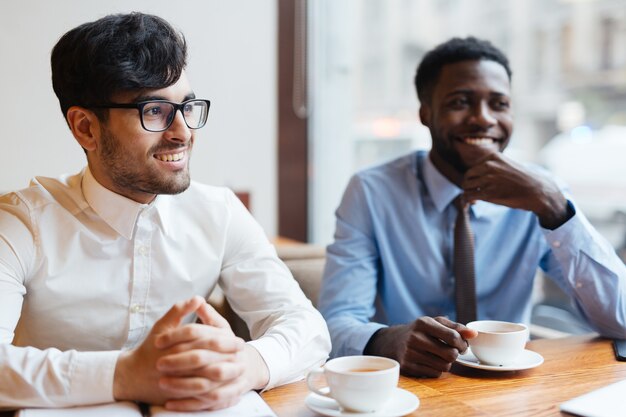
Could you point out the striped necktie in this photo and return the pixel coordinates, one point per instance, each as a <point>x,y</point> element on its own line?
<point>464,272</point>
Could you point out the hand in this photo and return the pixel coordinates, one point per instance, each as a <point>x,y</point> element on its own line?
<point>500,180</point>
<point>136,376</point>
<point>207,366</point>
<point>426,347</point>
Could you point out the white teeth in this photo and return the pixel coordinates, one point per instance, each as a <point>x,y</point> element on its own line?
<point>170,157</point>
<point>479,141</point>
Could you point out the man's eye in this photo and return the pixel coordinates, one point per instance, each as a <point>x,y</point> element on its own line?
<point>188,108</point>
<point>501,104</point>
<point>458,102</point>
<point>152,111</point>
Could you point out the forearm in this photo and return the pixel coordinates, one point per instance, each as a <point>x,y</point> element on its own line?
<point>292,345</point>
<point>586,266</point>
<point>31,377</point>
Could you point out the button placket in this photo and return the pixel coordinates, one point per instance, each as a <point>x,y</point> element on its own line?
<point>140,280</point>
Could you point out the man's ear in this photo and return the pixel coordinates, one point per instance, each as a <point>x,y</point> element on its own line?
<point>425,114</point>
<point>85,127</point>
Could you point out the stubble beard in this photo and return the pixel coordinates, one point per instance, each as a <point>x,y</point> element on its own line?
<point>138,176</point>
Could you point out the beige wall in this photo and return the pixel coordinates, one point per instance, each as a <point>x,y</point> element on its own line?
<point>232,63</point>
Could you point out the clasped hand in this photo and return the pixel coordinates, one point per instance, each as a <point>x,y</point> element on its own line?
<point>196,366</point>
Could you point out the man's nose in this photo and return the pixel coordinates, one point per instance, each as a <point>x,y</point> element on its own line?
<point>482,115</point>
<point>178,130</point>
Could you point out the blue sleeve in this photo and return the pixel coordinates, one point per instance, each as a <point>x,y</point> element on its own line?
<point>585,265</point>
<point>349,286</point>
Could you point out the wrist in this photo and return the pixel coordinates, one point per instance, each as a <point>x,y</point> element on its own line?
<point>375,346</point>
<point>258,372</point>
<point>556,214</point>
<point>121,380</point>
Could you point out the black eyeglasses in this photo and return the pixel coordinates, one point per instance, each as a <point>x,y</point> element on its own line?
<point>158,115</point>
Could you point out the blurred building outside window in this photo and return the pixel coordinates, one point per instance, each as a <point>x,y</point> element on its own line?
<point>569,91</point>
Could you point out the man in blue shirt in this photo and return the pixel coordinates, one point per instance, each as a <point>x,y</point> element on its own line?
<point>388,286</point>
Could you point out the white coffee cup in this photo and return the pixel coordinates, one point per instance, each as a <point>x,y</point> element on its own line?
<point>358,383</point>
<point>498,343</point>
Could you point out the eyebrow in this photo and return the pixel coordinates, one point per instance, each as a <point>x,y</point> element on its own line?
<point>146,97</point>
<point>472,92</point>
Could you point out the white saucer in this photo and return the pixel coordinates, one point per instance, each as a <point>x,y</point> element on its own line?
<point>527,360</point>
<point>402,403</point>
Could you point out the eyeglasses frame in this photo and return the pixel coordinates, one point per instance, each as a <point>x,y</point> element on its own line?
<point>141,104</point>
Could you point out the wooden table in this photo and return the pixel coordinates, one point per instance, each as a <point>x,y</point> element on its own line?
<point>573,366</point>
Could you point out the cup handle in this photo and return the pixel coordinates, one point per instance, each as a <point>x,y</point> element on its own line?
<point>312,388</point>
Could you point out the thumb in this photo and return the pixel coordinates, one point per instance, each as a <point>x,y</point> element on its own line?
<point>208,315</point>
<point>467,333</point>
<point>177,313</point>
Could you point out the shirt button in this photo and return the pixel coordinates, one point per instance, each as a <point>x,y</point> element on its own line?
<point>143,250</point>
<point>556,244</point>
<point>136,308</point>
<point>579,284</point>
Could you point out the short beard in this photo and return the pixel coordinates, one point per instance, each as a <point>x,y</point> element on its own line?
<point>127,173</point>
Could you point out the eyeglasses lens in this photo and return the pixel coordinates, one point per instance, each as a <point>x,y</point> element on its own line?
<point>158,116</point>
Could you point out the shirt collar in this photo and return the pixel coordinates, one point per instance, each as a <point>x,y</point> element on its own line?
<point>442,191</point>
<point>117,211</point>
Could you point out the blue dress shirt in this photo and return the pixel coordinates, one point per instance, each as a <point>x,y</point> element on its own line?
<point>391,261</point>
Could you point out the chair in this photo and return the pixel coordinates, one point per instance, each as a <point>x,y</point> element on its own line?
<point>306,263</point>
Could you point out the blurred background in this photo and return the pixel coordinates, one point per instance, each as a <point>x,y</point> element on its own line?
<point>569,91</point>
<point>305,93</point>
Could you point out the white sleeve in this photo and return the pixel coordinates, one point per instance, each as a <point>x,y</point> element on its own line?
<point>289,333</point>
<point>29,376</point>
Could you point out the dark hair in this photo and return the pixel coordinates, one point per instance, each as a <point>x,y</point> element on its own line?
<point>452,51</point>
<point>117,53</point>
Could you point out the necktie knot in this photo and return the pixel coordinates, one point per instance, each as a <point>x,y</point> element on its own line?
<point>460,203</point>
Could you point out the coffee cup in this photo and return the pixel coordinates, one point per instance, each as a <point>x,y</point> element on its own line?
<point>499,343</point>
<point>358,383</point>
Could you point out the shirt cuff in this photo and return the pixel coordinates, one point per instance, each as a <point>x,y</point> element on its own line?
<point>273,354</point>
<point>566,239</point>
<point>355,340</point>
<point>92,376</point>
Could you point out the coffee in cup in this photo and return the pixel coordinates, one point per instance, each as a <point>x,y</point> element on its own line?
<point>499,343</point>
<point>358,383</point>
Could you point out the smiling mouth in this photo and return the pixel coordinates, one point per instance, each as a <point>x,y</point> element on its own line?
<point>170,157</point>
<point>480,141</point>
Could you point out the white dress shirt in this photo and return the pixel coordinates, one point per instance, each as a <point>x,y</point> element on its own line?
<point>85,273</point>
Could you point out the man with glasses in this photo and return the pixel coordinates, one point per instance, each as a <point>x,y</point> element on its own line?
<point>103,273</point>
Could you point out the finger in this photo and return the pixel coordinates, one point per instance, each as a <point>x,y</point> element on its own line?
<point>192,360</point>
<point>183,387</point>
<point>224,371</point>
<point>428,360</point>
<point>459,327</point>
<point>200,336</point>
<point>220,372</point>
<point>465,332</point>
<point>443,329</point>
<point>208,315</point>
<point>424,344</point>
<point>220,397</point>
<point>214,339</point>
<point>177,313</point>
<point>474,184</point>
